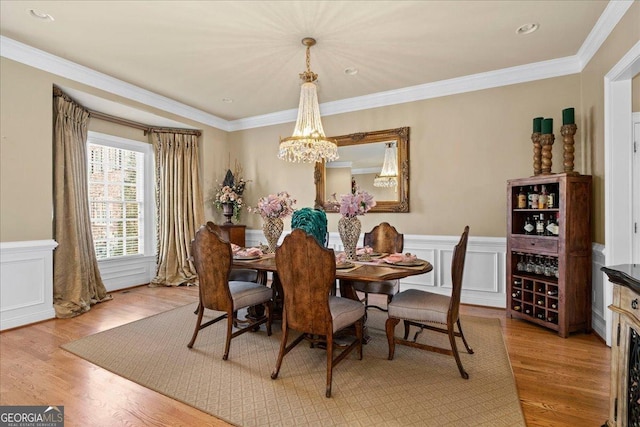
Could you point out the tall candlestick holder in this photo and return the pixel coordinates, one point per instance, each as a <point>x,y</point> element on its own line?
<point>537,153</point>
<point>567,132</point>
<point>546,140</point>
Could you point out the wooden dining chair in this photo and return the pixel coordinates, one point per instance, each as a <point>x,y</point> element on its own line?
<point>307,272</point>
<point>431,311</point>
<point>213,258</point>
<point>239,274</point>
<point>383,238</point>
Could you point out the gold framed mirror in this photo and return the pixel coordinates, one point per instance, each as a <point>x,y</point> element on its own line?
<point>360,163</point>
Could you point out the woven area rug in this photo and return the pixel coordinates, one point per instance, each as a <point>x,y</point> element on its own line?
<point>416,388</point>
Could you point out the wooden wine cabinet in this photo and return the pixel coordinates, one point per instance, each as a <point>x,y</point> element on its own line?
<point>549,277</point>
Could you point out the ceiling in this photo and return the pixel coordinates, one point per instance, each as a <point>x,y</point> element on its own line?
<point>201,53</point>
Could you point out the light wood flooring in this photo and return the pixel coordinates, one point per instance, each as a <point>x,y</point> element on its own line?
<point>561,382</point>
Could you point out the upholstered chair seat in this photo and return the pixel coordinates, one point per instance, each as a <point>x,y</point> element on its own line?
<point>420,306</point>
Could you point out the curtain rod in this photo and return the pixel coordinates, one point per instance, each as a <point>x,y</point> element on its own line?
<point>136,125</point>
<point>118,120</point>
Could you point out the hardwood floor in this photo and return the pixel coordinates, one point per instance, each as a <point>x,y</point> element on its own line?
<point>561,382</point>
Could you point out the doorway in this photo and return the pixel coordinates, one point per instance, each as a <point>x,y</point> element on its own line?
<point>618,144</point>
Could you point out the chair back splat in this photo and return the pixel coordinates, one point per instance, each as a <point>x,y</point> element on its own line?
<point>383,238</point>
<point>311,272</point>
<point>307,272</point>
<point>213,259</point>
<point>457,270</point>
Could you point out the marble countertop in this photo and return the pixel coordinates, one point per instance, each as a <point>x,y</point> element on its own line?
<point>624,274</point>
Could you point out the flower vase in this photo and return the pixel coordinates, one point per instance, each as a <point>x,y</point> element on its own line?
<point>227,211</point>
<point>349,229</point>
<point>272,229</point>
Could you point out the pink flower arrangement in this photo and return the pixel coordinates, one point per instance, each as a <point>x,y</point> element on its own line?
<point>357,203</point>
<point>275,205</point>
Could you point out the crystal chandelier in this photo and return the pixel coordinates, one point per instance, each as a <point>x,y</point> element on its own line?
<point>389,174</point>
<point>308,143</point>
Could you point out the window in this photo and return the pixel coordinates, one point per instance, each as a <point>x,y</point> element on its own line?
<point>120,195</point>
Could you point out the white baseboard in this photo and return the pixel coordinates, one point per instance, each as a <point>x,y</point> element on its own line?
<point>26,282</point>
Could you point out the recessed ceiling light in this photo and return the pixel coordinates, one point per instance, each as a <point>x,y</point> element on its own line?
<point>527,28</point>
<point>41,15</point>
<point>351,71</point>
<point>227,100</point>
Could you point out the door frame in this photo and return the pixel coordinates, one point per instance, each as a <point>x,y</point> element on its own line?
<point>618,144</point>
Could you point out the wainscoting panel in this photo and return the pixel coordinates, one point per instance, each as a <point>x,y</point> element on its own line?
<point>127,272</point>
<point>484,274</point>
<point>26,282</point>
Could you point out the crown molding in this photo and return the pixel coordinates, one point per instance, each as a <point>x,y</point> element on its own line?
<point>474,82</point>
<point>610,17</point>
<point>20,52</point>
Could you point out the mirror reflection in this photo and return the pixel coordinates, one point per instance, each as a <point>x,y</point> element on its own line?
<point>377,162</point>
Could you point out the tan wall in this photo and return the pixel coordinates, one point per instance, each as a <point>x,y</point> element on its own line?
<point>25,153</point>
<point>463,148</point>
<point>619,42</point>
<point>26,117</point>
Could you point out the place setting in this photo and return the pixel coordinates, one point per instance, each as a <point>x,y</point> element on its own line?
<point>403,260</point>
<point>246,254</point>
<point>366,256</point>
<point>342,263</point>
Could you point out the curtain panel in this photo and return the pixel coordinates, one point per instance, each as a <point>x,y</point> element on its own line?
<point>76,279</point>
<point>180,209</point>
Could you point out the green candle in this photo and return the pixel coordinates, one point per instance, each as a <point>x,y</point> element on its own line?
<point>537,124</point>
<point>568,116</point>
<point>547,126</point>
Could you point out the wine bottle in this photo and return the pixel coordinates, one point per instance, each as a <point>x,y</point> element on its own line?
<point>527,311</point>
<point>533,198</point>
<point>552,319</point>
<point>540,316</point>
<point>551,200</point>
<point>540,302</point>
<point>540,225</point>
<point>516,294</point>
<point>542,198</point>
<point>552,292</point>
<point>528,226</point>
<point>554,305</point>
<point>555,229</point>
<point>522,199</point>
<point>517,308</point>
<point>549,226</point>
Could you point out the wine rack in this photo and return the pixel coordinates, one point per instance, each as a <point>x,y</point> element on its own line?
<point>549,252</point>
